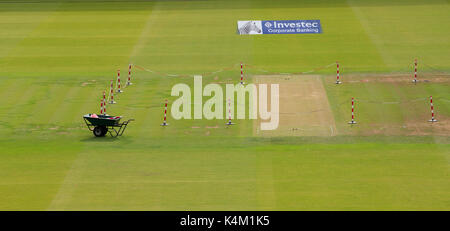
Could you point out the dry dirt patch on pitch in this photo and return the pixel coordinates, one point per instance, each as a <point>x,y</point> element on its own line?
<point>304,107</point>
<point>394,78</point>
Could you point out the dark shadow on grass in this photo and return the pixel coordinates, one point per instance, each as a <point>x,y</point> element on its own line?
<point>105,139</point>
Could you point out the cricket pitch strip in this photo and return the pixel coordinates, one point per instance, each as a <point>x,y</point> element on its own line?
<point>304,107</point>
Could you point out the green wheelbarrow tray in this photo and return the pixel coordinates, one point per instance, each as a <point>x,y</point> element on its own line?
<point>103,124</point>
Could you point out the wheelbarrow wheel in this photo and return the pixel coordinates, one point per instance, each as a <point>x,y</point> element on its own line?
<point>100,131</point>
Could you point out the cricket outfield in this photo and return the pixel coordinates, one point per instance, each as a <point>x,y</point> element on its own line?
<point>57,57</point>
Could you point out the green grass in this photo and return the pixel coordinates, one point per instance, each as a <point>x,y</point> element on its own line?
<point>239,174</point>
<point>56,57</point>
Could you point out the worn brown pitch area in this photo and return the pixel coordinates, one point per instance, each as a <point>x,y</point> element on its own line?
<point>304,106</point>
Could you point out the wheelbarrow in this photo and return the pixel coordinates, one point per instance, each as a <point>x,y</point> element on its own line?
<point>102,124</point>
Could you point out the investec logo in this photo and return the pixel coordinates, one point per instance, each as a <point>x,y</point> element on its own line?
<point>276,24</point>
<point>292,26</point>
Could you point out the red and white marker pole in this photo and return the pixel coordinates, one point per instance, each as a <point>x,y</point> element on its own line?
<point>104,102</point>
<point>129,75</point>
<point>338,81</point>
<point>432,111</point>
<point>229,113</point>
<point>242,73</point>
<point>415,71</point>
<point>353,112</point>
<point>165,114</point>
<point>118,82</point>
<point>101,107</point>
<point>111,93</point>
